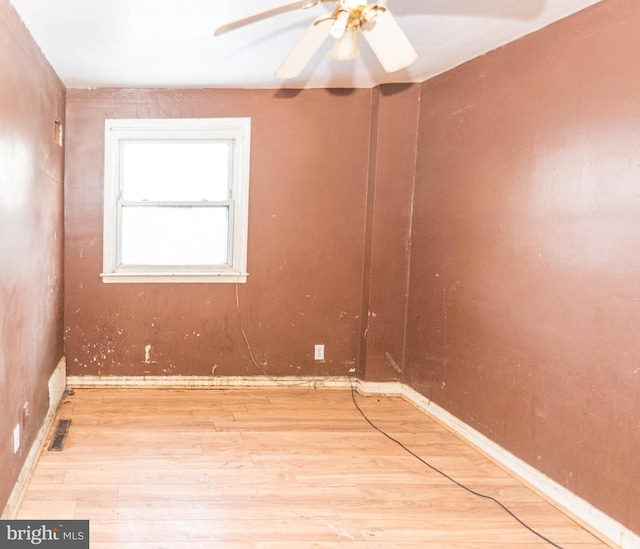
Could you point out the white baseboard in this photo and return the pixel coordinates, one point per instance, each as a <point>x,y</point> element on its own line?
<point>57,385</point>
<point>204,382</point>
<point>594,520</point>
<point>383,388</point>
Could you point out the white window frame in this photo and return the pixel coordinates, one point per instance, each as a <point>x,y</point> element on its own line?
<point>118,131</point>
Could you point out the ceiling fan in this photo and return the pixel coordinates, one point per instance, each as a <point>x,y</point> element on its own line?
<point>350,18</point>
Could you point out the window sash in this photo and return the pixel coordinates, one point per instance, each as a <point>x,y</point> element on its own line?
<point>162,178</point>
<point>195,208</point>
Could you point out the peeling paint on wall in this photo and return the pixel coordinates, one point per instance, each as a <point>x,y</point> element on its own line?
<point>147,351</point>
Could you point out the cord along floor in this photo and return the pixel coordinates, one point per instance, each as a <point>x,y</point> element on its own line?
<point>288,468</point>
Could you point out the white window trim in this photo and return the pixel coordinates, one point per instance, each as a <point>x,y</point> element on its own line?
<point>117,130</point>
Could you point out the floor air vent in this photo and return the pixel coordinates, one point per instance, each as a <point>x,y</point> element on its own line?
<point>60,436</point>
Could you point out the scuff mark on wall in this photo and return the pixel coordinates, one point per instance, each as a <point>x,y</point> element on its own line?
<point>147,351</point>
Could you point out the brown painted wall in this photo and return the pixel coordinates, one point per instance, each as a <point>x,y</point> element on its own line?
<point>524,312</point>
<point>31,237</point>
<point>307,227</point>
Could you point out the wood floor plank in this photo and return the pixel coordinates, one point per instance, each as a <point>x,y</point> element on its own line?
<point>372,544</point>
<point>38,491</point>
<point>174,545</point>
<point>62,510</point>
<point>258,494</point>
<point>301,529</point>
<point>277,468</point>
<point>221,510</point>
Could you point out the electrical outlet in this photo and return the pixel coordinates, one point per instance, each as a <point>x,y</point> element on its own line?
<point>319,352</point>
<point>16,438</point>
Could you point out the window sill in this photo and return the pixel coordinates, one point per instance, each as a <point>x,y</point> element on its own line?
<point>172,278</point>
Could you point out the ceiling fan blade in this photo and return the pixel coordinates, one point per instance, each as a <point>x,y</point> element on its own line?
<point>284,8</point>
<point>389,42</point>
<point>303,51</point>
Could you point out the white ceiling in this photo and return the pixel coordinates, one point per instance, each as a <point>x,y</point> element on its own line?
<point>170,43</point>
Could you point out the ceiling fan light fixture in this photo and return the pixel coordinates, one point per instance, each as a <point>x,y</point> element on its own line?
<point>369,13</point>
<point>349,19</point>
<point>347,47</point>
<point>340,23</point>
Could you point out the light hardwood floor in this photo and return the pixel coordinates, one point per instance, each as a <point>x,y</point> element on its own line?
<point>277,469</point>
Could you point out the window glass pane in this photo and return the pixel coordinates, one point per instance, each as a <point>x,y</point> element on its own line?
<point>171,171</point>
<point>170,235</point>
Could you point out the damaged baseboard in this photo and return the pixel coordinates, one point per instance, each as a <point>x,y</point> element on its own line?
<point>204,382</point>
<point>57,386</point>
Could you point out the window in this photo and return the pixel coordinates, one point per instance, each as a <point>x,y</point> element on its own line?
<point>176,200</point>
